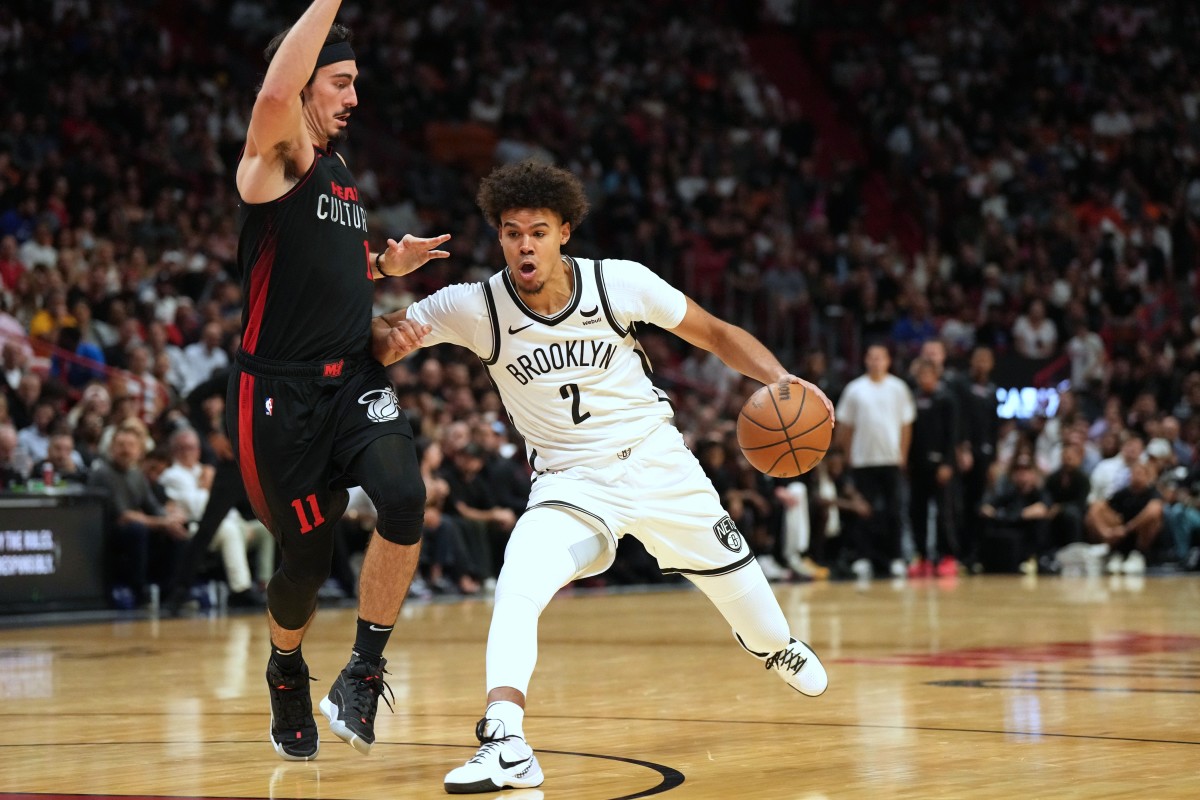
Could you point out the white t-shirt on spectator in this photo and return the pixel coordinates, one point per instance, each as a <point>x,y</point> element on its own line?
<point>34,442</point>
<point>202,363</point>
<point>1115,124</point>
<point>1108,476</point>
<point>1087,358</point>
<point>1034,341</point>
<point>878,411</point>
<point>182,484</point>
<point>33,253</point>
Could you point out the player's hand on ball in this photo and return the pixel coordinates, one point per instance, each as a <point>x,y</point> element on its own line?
<point>812,387</point>
<point>410,253</point>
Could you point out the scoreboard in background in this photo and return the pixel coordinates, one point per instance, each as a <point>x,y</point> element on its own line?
<point>52,552</point>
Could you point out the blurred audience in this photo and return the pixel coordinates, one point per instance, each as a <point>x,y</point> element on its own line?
<point>1010,192</point>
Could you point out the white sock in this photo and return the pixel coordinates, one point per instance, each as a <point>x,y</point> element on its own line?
<point>510,715</point>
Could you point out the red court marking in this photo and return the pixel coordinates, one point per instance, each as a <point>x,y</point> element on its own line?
<point>1122,644</point>
<point>49,796</point>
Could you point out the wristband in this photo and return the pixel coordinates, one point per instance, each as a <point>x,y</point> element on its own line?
<point>379,263</point>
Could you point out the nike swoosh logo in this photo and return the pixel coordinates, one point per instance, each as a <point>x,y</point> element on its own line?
<point>591,313</point>
<point>379,629</point>
<point>510,764</point>
<point>511,329</point>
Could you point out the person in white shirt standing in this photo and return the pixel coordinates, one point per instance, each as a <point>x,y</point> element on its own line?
<point>558,337</point>
<point>875,415</point>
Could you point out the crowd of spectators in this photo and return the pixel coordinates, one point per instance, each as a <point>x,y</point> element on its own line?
<point>1029,189</point>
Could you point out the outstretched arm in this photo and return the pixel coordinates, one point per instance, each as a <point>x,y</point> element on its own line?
<point>738,349</point>
<point>276,131</point>
<point>406,255</point>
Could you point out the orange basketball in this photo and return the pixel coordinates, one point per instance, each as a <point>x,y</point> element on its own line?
<point>784,430</point>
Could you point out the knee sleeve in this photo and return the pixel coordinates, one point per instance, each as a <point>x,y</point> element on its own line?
<point>388,472</point>
<point>746,601</point>
<point>512,647</point>
<point>292,591</point>
<point>548,549</point>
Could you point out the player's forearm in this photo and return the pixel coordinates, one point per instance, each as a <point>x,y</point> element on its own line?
<point>381,351</point>
<point>739,350</point>
<point>1148,518</point>
<point>474,514</point>
<point>381,328</point>
<point>296,58</point>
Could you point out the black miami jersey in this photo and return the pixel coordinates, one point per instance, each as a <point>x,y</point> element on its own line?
<point>306,273</point>
<point>305,397</point>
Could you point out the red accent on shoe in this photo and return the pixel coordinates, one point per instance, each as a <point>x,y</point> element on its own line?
<point>947,567</point>
<point>920,569</point>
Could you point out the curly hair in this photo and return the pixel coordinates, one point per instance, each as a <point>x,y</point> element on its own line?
<point>531,184</point>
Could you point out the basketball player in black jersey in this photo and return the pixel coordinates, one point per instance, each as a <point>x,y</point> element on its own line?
<point>309,412</point>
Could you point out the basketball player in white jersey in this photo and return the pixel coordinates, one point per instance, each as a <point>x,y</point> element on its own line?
<point>557,336</point>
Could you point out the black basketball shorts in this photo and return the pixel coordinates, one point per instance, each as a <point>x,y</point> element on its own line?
<point>295,428</point>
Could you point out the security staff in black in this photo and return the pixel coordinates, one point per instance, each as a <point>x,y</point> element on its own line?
<point>931,460</point>
<point>308,412</point>
<point>981,426</point>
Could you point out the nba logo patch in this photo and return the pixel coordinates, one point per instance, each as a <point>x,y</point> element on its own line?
<point>728,534</point>
<point>270,405</point>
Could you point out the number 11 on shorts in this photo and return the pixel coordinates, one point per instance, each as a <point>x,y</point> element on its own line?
<point>317,519</point>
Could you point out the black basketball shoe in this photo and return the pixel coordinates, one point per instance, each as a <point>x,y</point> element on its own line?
<point>293,729</point>
<point>353,700</point>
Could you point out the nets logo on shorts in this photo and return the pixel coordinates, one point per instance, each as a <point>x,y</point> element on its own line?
<point>728,534</point>
<point>381,404</point>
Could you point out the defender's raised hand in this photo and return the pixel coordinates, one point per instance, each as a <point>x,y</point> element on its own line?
<point>408,254</point>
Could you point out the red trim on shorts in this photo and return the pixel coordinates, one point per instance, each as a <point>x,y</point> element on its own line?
<point>246,459</point>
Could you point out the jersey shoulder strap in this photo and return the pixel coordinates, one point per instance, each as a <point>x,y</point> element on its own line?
<point>494,320</point>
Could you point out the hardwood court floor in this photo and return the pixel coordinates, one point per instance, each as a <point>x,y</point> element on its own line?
<point>991,687</point>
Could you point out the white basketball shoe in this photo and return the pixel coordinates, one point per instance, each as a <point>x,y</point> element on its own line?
<point>797,664</point>
<point>800,668</point>
<point>501,762</point>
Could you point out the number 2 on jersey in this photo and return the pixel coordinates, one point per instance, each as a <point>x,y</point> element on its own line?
<point>571,391</point>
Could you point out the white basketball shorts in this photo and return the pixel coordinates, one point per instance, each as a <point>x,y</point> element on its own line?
<point>658,493</point>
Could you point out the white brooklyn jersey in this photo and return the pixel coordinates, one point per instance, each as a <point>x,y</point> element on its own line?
<point>576,384</point>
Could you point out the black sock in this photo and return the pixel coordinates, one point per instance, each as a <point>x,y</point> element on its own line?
<point>287,660</point>
<point>370,640</point>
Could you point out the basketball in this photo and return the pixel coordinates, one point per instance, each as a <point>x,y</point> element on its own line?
<point>784,430</point>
